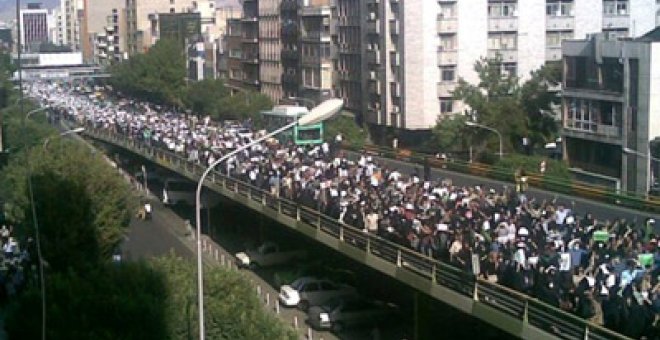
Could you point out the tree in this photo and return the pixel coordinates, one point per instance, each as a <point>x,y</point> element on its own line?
<point>243,105</point>
<point>64,174</point>
<point>539,99</point>
<point>494,103</point>
<point>347,126</point>
<point>232,309</point>
<point>157,76</point>
<point>204,97</point>
<point>448,134</point>
<point>125,301</point>
<point>515,111</point>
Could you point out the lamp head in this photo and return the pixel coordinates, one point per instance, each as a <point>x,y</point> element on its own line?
<point>323,111</point>
<point>470,123</point>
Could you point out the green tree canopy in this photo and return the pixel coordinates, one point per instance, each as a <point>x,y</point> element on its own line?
<point>67,175</point>
<point>157,76</point>
<point>499,102</point>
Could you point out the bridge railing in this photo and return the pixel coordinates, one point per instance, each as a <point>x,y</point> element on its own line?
<point>529,311</point>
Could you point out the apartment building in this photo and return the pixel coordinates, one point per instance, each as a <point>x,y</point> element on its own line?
<point>231,56</point>
<point>70,22</point>
<point>290,54</point>
<point>270,47</point>
<point>349,65</point>
<point>142,19</point>
<point>610,101</point>
<point>35,23</point>
<point>250,45</point>
<point>415,51</point>
<point>105,23</point>
<point>317,52</point>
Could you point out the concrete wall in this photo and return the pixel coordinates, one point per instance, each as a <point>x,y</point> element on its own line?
<point>531,36</point>
<point>419,55</point>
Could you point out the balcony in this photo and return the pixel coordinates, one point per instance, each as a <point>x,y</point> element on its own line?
<point>394,27</point>
<point>316,11</point>
<point>290,55</point>
<point>350,20</point>
<point>555,23</point>
<point>251,58</point>
<point>508,55</point>
<point>616,21</point>
<point>317,36</point>
<point>609,131</point>
<point>503,24</point>
<point>447,25</point>
<point>374,87</point>
<point>445,89</point>
<point>373,26</point>
<point>553,53</point>
<point>373,57</point>
<point>288,78</point>
<point>449,57</point>
<point>249,39</point>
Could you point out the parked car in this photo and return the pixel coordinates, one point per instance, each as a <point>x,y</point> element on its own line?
<point>310,291</point>
<point>327,269</point>
<point>342,312</point>
<point>268,254</point>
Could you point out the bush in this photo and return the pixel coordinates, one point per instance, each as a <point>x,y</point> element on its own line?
<point>353,134</point>
<point>555,170</point>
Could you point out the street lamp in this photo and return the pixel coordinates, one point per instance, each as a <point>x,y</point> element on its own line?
<point>630,151</point>
<point>65,133</point>
<point>477,125</point>
<point>322,112</point>
<point>43,108</point>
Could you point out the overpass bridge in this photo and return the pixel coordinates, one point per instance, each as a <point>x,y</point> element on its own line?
<point>511,311</point>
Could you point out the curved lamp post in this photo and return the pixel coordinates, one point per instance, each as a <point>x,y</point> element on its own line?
<point>499,135</point>
<point>65,133</point>
<point>322,112</point>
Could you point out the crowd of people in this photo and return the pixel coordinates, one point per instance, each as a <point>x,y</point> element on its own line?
<point>606,271</point>
<point>14,261</point>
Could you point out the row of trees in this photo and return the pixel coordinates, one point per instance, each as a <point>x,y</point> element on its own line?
<point>159,76</point>
<point>500,101</point>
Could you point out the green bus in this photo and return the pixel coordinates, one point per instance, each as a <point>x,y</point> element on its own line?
<point>301,135</point>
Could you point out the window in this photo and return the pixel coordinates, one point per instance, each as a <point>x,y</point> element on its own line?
<point>448,42</point>
<point>615,7</point>
<point>554,39</point>
<point>509,69</point>
<point>446,105</point>
<point>502,41</point>
<point>447,10</point>
<point>559,8</point>
<point>448,73</point>
<point>502,9</point>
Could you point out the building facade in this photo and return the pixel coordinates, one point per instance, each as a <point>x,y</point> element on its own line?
<point>105,23</point>
<point>231,58</point>
<point>610,101</point>
<point>250,45</point>
<point>35,23</point>
<point>142,19</point>
<point>70,23</point>
<point>318,53</point>
<point>270,47</point>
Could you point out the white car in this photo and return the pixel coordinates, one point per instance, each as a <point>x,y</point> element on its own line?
<point>310,291</point>
<point>268,254</point>
<point>340,313</point>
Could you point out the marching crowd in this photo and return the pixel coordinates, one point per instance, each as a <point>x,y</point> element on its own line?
<point>606,271</point>
<point>13,262</point>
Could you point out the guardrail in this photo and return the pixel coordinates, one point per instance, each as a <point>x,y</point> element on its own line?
<point>538,180</point>
<point>529,311</point>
